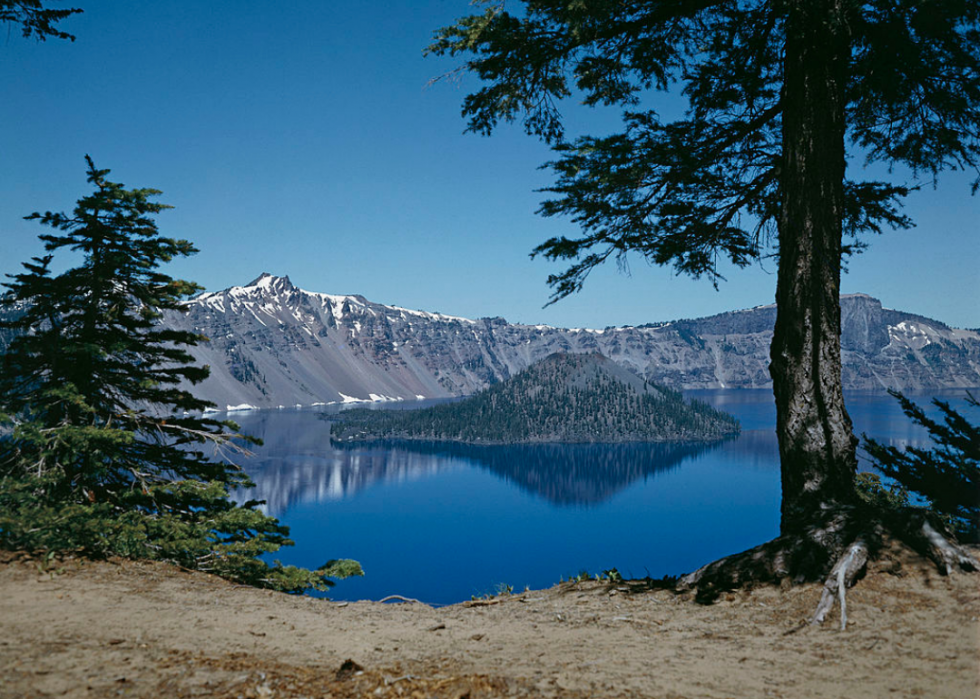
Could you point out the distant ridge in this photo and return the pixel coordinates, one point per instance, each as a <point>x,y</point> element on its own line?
<point>567,398</point>
<point>273,344</point>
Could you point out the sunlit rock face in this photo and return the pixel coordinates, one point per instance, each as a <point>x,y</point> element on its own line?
<point>272,344</point>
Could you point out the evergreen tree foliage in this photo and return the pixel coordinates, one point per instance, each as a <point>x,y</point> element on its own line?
<point>569,398</point>
<point>947,476</point>
<point>779,94</point>
<point>706,186</point>
<point>34,19</point>
<point>106,452</point>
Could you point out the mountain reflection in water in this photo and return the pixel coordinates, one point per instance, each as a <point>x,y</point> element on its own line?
<point>564,474</point>
<point>287,480</point>
<point>297,463</point>
<point>526,515</point>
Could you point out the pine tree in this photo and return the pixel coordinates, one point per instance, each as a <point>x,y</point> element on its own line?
<point>109,453</point>
<point>947,476</point>
<point>779,94</point>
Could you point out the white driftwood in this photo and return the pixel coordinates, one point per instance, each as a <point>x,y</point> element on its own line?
<point>399,598</point>
<point>843,575</point>
<point>947,556</point>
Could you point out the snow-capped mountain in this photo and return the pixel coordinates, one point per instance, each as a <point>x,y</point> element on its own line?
<point>273,344</point>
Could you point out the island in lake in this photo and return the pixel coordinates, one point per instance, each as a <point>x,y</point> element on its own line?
<point>569,398</point>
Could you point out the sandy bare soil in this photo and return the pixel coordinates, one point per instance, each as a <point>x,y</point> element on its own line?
<point>123,629</point>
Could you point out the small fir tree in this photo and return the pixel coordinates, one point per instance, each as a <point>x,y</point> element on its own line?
<point>108,453</point>
<point>947,477</point>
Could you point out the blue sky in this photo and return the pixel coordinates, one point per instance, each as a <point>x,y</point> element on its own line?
<point>300,139</point>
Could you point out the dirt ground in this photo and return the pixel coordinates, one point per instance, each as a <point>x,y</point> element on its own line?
<point>124,629</point>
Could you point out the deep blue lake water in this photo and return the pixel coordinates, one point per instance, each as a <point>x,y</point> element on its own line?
<point>441,523</point>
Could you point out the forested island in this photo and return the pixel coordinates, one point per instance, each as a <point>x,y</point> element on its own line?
<point>568,398</point>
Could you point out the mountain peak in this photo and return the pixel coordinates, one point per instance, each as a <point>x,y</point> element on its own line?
<point>859,298</point>
<point>271,281</point>
<point>266,279</point>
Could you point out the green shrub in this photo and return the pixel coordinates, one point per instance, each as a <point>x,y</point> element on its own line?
<point>946,477</point>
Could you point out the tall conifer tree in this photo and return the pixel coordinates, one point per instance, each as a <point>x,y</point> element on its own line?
<point>92,370</point>
<point>109,451</point>
<point>777,92</point>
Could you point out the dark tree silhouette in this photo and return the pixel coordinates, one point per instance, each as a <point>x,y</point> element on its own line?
<point>34,19</point>
<point>946,476</point>
<point>779,93</point>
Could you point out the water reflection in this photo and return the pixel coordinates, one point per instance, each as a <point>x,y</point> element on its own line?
<point>874,414</point>
<point>297,463</point>
<point>287,480</point>
<point>563,474</point>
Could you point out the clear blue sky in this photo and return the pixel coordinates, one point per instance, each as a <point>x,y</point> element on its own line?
<point>299,138</point>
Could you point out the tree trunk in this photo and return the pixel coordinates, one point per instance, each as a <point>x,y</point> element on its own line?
<point>817,447</point>
<point>825,528</point>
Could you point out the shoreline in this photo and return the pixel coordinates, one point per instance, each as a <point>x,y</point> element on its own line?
<point>938,391</point>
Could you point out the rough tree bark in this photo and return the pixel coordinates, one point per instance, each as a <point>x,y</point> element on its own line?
<point>817,447</point>
<point>823,527</point>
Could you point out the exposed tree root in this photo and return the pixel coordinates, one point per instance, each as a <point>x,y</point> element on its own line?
<point>764,563</point>
<point>399,598</point>
<point>946,555</point>
<point>846,571</point>
<point>799,557</point>
<point>843,542</point>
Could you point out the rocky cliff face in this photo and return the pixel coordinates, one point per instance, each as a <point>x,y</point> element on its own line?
<point>272,344</point>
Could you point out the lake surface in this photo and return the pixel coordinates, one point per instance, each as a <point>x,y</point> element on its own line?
<point>441,523</point>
